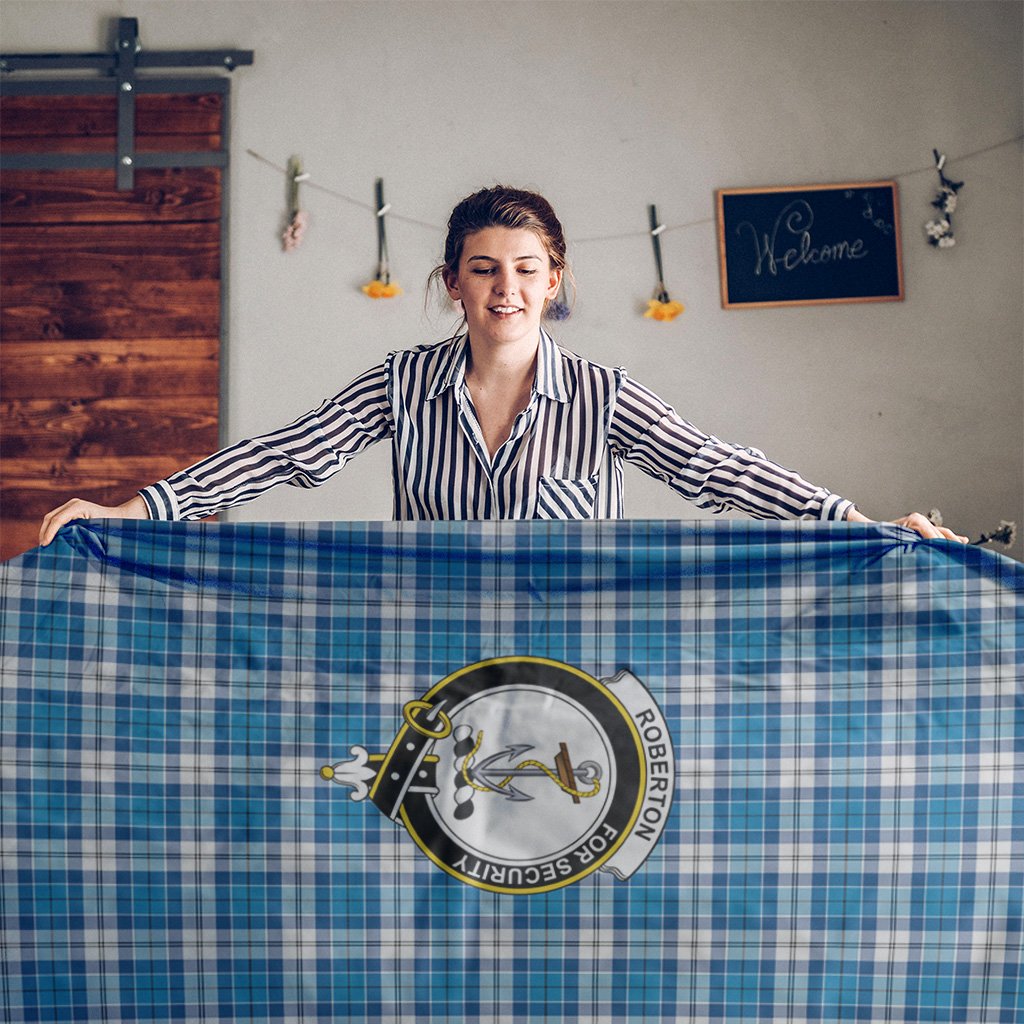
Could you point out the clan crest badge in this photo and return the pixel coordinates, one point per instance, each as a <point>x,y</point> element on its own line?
<point>524,775</point>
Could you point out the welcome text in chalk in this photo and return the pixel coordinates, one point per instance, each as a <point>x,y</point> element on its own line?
<point>792,228</point>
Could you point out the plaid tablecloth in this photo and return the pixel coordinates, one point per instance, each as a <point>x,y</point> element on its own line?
<point>511,772</point>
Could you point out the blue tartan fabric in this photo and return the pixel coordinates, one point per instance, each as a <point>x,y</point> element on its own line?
<point>844,839</point>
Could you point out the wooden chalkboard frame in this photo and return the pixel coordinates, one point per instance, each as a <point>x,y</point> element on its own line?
<point>883,282</point>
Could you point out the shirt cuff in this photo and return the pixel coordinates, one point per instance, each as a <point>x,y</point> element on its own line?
<point>160,501</point>
<point>836,508</point>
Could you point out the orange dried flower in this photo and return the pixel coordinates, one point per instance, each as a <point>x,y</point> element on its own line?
<point>665,311</point>
<point>380,290</point>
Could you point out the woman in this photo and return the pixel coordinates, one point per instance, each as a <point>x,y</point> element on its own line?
<point>498,422</point>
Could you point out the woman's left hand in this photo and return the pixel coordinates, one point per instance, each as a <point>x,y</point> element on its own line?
<point>914,521</point>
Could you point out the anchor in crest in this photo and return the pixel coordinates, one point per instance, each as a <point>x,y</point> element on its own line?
<point>499,772</point>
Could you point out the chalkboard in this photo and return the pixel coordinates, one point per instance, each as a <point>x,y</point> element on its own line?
<point>814,244</point>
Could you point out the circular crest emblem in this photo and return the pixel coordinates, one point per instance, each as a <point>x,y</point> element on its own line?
<point>523,775</point>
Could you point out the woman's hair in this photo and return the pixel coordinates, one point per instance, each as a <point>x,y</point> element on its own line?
<point>501,207</point>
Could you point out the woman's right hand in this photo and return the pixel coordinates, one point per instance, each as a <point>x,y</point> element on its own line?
<point>76,508</point>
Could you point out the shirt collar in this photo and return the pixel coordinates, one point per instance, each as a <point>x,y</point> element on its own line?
<point>549,380</point>
<point>451,370</point>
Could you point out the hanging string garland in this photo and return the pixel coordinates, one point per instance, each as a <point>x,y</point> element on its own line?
<point>381,287</point>
<point>940,232</point>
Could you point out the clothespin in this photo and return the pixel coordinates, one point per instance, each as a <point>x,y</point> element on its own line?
<point>296,176</point>
<point>383,270</point>
<point>940,163</point>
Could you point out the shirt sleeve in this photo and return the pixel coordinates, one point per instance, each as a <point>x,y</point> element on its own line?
<point>713,474</point>
<point>304,453</point>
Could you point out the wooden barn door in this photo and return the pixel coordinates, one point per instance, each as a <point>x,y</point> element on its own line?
<point>110,312</point>
<point>111,297</point>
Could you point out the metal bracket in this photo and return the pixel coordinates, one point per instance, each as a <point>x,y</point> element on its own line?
<point>123,65</point>
<point>128,46</point>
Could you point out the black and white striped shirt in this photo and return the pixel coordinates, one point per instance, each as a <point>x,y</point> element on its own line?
<point>562,460</point>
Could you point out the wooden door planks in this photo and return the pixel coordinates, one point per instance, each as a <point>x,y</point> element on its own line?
<point>118,309</point>
<point>109,368</point>
<point>45,253</point>
<point>83,197</point>
<point>110,307</point>
<point>76,117</point>
<point>31,485</point>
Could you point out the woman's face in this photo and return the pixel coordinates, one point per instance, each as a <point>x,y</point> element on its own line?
<point>504,280</point>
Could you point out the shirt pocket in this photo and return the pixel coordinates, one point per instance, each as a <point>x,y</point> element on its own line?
<point>562,498</point>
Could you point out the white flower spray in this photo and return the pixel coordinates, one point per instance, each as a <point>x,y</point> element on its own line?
<point>940,231</point>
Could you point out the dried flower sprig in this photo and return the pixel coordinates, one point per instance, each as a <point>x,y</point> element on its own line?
<point>381,287</point>
<point>1005,533</point>
<point>292,237</point>
<point>298,219</point>
<point>940,231</point>
<point>660,307</point>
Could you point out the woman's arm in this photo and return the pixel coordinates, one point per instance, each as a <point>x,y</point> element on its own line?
<point>711,473</point>
<point>304,453</point>
<point>717,475</point>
